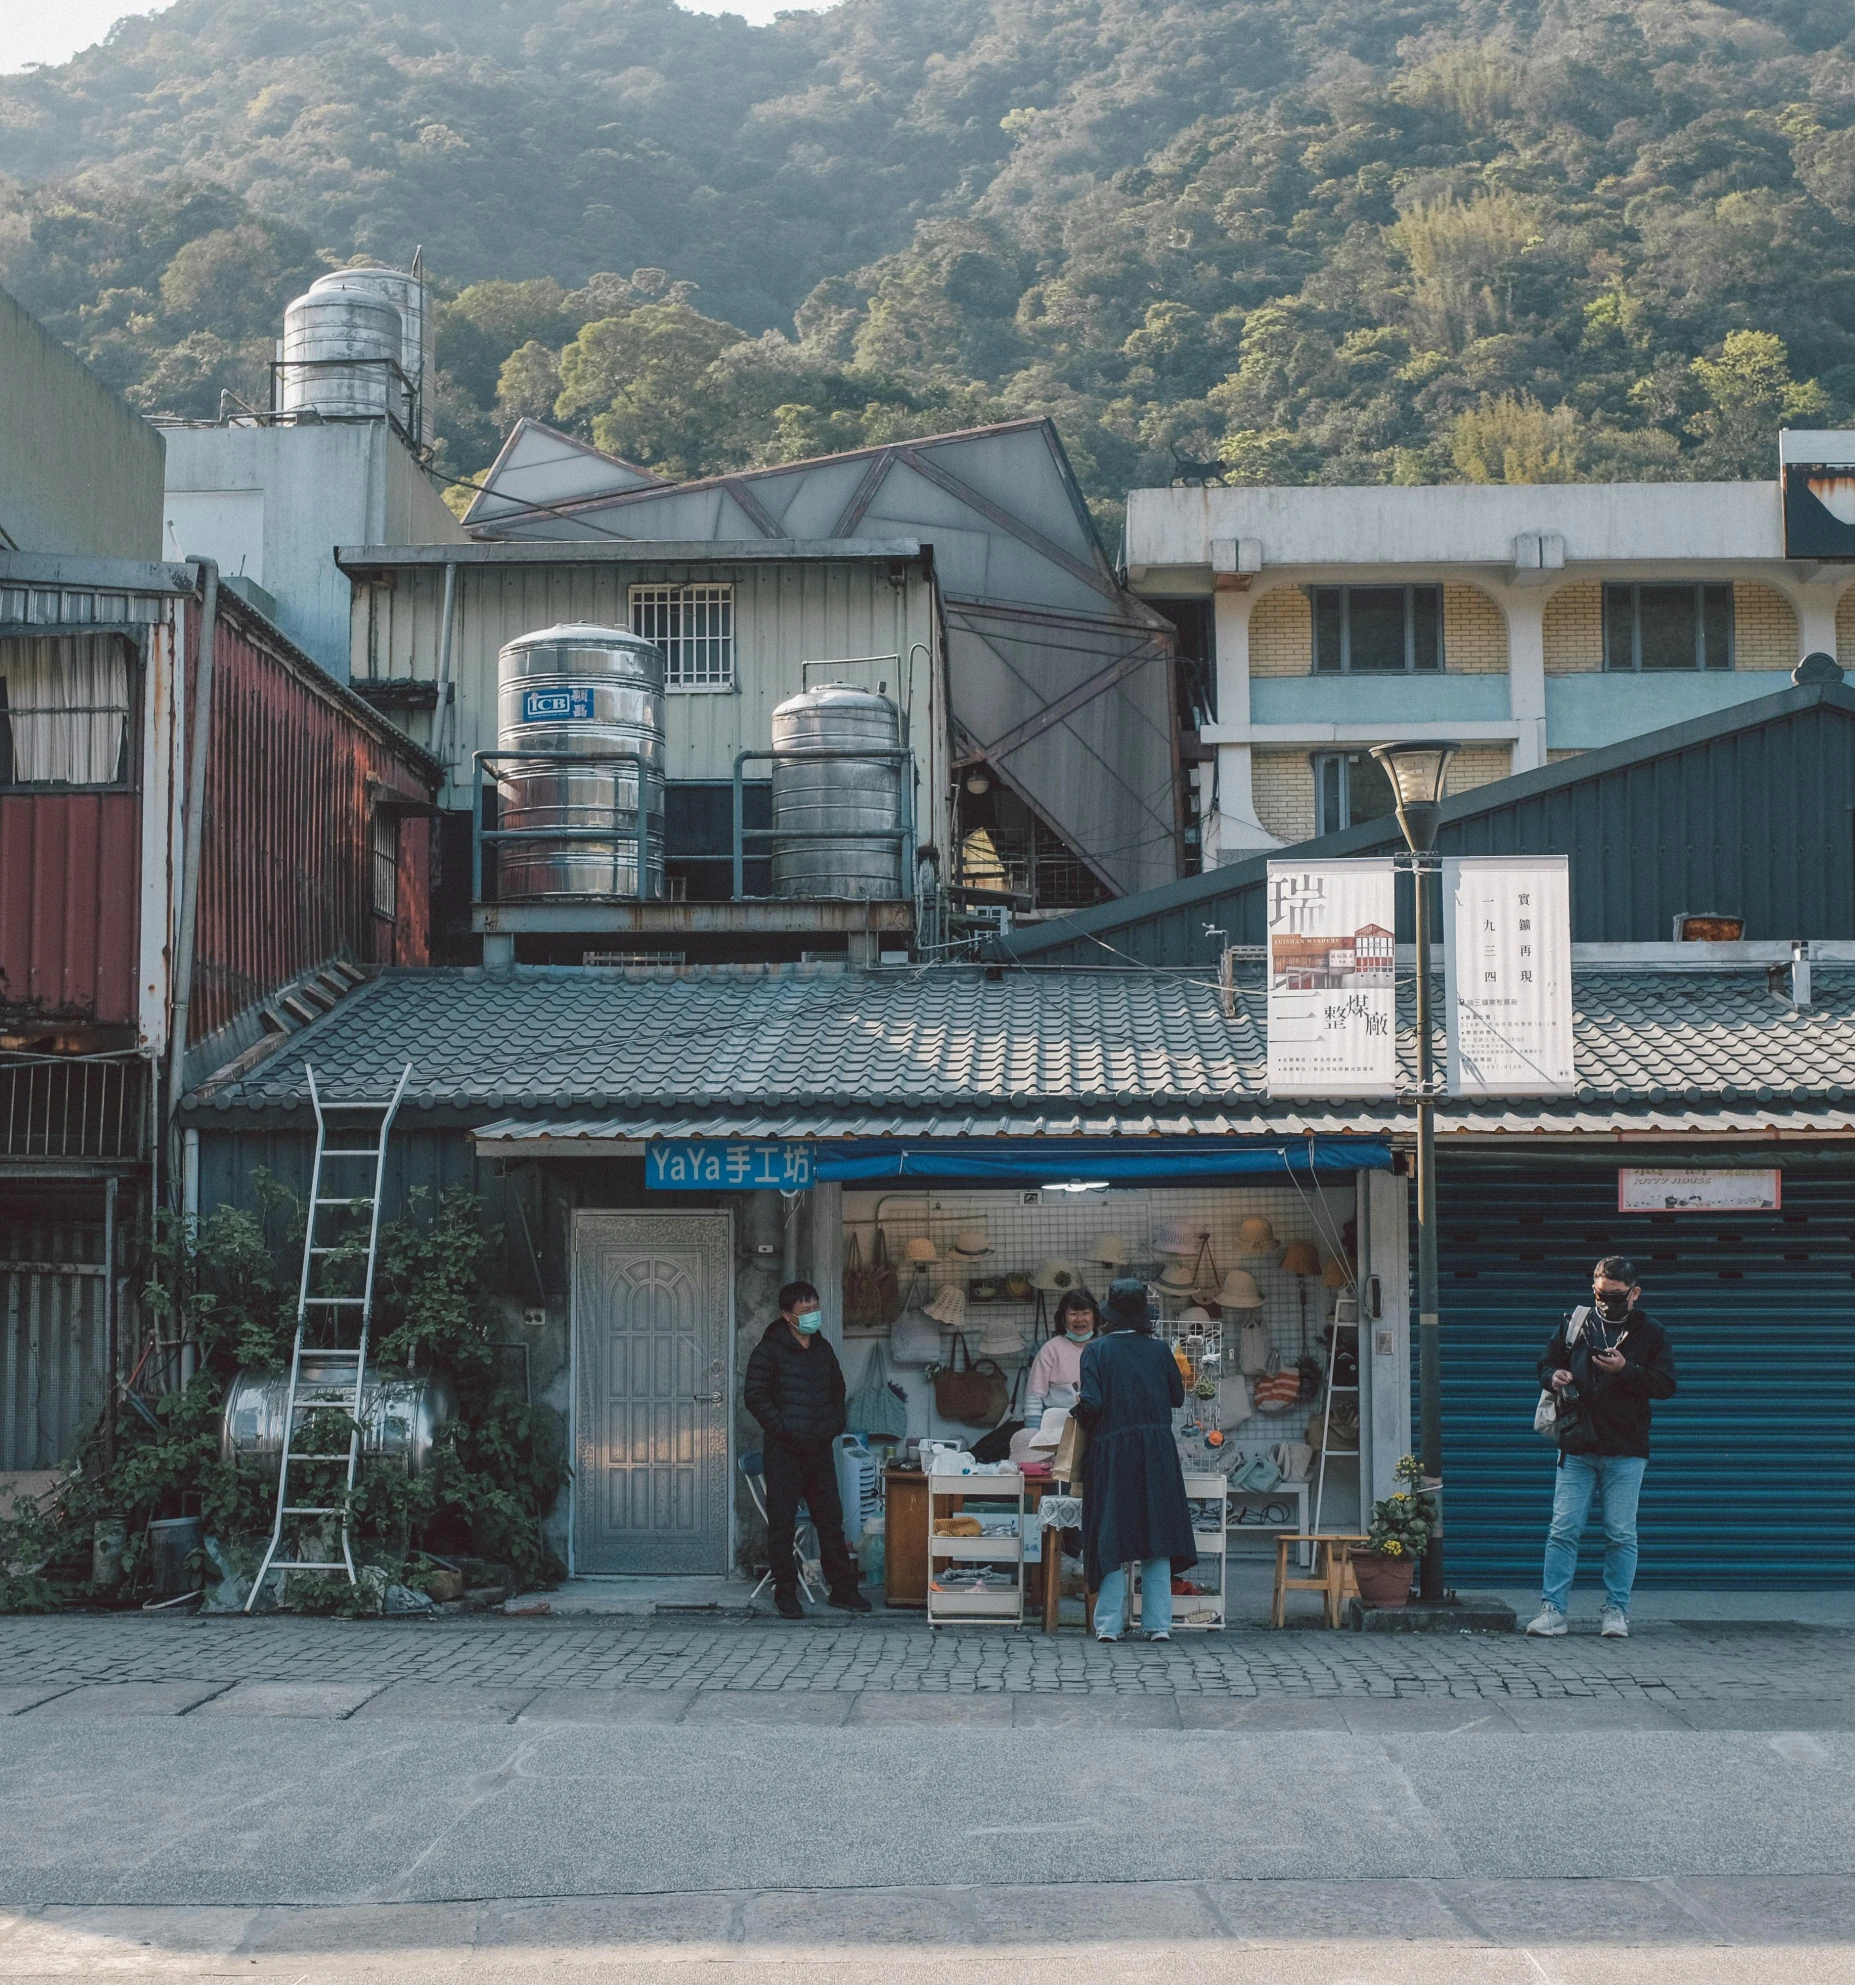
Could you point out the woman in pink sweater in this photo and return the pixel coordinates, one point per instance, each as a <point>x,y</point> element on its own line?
<point>1056,1372</point>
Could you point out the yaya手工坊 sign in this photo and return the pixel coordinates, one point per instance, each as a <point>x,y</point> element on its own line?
<point>709,1164</point>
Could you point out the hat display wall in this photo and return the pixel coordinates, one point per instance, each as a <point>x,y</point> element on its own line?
<point>1109,1250</point>
<point>1301,1258</point>
<point>1178,1278</point>
<point>1176,1237</point>
<point>1256,1236</point>
<point>921,1250</point>
<point>1239,1291</point>
<point>972,1242</point>
<point>1056,1276</point>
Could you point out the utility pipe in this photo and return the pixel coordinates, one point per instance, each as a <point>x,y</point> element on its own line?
<point>441,716</point>
<point>198,749</point>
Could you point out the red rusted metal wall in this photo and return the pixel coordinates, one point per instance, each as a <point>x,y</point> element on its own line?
<point>69,864</point>
<point>286,875</point>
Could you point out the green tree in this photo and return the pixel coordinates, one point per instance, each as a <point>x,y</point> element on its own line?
<point>1750,394</point>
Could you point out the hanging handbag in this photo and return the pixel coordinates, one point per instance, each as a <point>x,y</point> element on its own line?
<point>887,1285</point>
<point>1253,1350</point>
<point>859,1289</point>
<point>879,1406</point>
<point>915,1339</point>
<point>1276,1390</point>
<point>969,1394</point>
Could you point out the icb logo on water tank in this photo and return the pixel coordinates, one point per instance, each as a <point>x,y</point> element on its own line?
<point>557,706</point>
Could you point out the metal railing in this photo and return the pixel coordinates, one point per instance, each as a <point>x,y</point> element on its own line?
<point>73,1106</point>
<point>481,836</point>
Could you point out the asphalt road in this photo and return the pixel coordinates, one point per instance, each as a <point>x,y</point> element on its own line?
<point>918,1838</point>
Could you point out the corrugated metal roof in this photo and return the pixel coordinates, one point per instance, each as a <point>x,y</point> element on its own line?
<point>955,1052</point>
<point>1745,811</point>
<point>628,551</point>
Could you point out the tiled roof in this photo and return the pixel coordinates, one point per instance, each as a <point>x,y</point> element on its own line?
<point>955,1052</point>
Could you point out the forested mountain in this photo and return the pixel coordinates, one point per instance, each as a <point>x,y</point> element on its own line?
<point>1342,240</point>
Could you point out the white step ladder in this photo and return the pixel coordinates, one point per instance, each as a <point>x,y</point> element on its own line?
<point>1345,1317</point>
<point>336,1313</point>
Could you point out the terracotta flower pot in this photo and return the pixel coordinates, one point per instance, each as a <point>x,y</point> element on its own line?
<point>1382,1581</point>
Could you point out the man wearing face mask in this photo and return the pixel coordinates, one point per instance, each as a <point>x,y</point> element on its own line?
<point>1604,1365</point>
<point>795,1389</point>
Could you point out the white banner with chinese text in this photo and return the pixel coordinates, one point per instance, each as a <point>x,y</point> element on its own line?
<point>1508,963</point>
<point>1332,979</point>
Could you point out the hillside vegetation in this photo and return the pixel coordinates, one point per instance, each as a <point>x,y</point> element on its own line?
<point>1267,240</point>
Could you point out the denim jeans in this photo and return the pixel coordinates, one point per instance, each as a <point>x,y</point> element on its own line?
<point>1155,1598</point>
<point>1616,1481</point>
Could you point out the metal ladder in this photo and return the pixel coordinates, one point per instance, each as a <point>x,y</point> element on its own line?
<point>320,1395</point>
<point>1341,1321</point>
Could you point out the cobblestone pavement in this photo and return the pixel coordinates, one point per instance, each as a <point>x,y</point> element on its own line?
<point>1668,1665</point>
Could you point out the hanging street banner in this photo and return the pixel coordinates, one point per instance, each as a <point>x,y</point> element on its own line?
<point>1332,979</point>
<point>1508,962</point>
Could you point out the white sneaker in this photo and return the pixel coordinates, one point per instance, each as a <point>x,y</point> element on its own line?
<point>1549,1625</point>
<point>1108,1639</point>
<point>1614,1623</point>
<point>1159,1636</point>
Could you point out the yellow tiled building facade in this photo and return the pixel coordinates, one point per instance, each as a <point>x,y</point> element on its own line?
<point>1282,633</point>
<point>1282,783</point>
<point>1764,629</point>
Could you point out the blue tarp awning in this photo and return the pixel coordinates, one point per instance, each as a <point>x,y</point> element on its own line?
<point>1053,1160</point>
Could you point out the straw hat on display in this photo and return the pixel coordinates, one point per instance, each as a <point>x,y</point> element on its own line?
<point>1301,1258</point>
<point>1056,1277</point>
<point>1109,1250</point>
<point>949,1307</point>
<point>972,1242</point>
<point>1176,1277</point>
<point>1176,1237</point>
<point>921,1251</point>
<point>1256,1236</point>
<point>1239,1291</point>
<point>1196,1314</point>
<point>1338,1275</point>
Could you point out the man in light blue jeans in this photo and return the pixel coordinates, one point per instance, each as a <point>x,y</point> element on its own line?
<point>1155,1601</point>
<point>1604,1366</point>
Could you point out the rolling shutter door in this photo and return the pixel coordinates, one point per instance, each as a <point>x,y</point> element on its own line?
<point>1751,1479</point>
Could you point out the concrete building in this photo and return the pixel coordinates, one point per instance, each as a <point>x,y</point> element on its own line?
<point>271,502</point>
<point>1528,622</point>
<point>80,473</point>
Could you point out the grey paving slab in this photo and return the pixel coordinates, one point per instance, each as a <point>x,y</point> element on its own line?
<point>1065,1914</point>
<point>130,1699</point>
<point>770,1706</point>
<point>872,1921</point>
<point>1315,1910</point>
<point>313,1699</point>
<point>1117,1713</point>
<point>19,1697</point>
<point>891,1706</point>
<point>608,1706</point>
<point>447,1702</point>
<point>682,1924</point>
<point>1261,1713</point>
<point>1401,1715</point>
<point>1774,1909</point>
<point>436,1929</point>
<point>1560,1912</point>
<point>1792,1713</point>
<point>1566,1718</point>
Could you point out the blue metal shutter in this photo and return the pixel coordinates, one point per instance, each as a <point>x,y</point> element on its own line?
<point>1751,1480</point>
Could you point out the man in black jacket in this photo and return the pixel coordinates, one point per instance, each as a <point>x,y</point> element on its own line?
<point>1604,1369</point>
<point>795,1389</point>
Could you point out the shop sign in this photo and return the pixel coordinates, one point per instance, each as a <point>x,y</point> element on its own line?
<point>1508,975</point>
<point>1640,1191</point>
<point>724,1164</point>
<point>1332,979</point>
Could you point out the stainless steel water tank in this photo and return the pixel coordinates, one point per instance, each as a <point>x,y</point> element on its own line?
<point>400,1416</point>
<point>584,689</point>
<point>418,338</point>
<point>853,800</point>
<point>339,348</point>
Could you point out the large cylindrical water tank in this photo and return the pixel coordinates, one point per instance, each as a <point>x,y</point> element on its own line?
<point>418,338</point>
<point>400,1417</point>
<point>597,690</point>
<point>340,346</point>
<point>854,801</point>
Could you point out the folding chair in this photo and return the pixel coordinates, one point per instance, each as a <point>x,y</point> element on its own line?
<point>805,1553</point>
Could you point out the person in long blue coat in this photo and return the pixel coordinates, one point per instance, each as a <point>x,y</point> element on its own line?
<point>1133,1496</point>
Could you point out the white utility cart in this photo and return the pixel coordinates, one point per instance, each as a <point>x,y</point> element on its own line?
<point>1000,1544</point>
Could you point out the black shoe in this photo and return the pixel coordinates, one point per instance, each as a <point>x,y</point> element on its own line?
<point>849,1601</point>
<point>786,1605</point>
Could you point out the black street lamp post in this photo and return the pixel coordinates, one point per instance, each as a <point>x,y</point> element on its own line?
<point>1417,772</point>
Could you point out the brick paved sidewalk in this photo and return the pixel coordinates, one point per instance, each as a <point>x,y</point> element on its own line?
<point>1670,1665</point>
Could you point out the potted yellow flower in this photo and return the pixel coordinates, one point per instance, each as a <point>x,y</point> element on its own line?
<point>1402,1526</point>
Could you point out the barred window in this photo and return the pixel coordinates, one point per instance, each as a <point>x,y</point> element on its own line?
<point>386,863</point>
<point>694,626</point>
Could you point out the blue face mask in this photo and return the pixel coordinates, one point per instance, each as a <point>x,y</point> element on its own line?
<point>808,1322</point>
<point>1078,1336</point>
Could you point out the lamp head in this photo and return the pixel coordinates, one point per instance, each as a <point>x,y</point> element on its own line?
<point>1418,772</point>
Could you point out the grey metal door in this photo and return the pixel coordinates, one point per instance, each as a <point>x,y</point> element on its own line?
<point>653,1310</point>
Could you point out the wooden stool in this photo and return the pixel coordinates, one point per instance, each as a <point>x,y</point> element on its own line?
<point>1333,1572</point>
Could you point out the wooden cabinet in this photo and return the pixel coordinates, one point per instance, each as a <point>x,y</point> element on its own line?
<point>905,1534</point>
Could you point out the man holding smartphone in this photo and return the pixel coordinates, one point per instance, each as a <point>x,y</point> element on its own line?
<point>1604,1365</point>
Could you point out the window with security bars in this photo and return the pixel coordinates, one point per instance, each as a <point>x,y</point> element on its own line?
<point>386,864</point>
<point>694,627</point>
